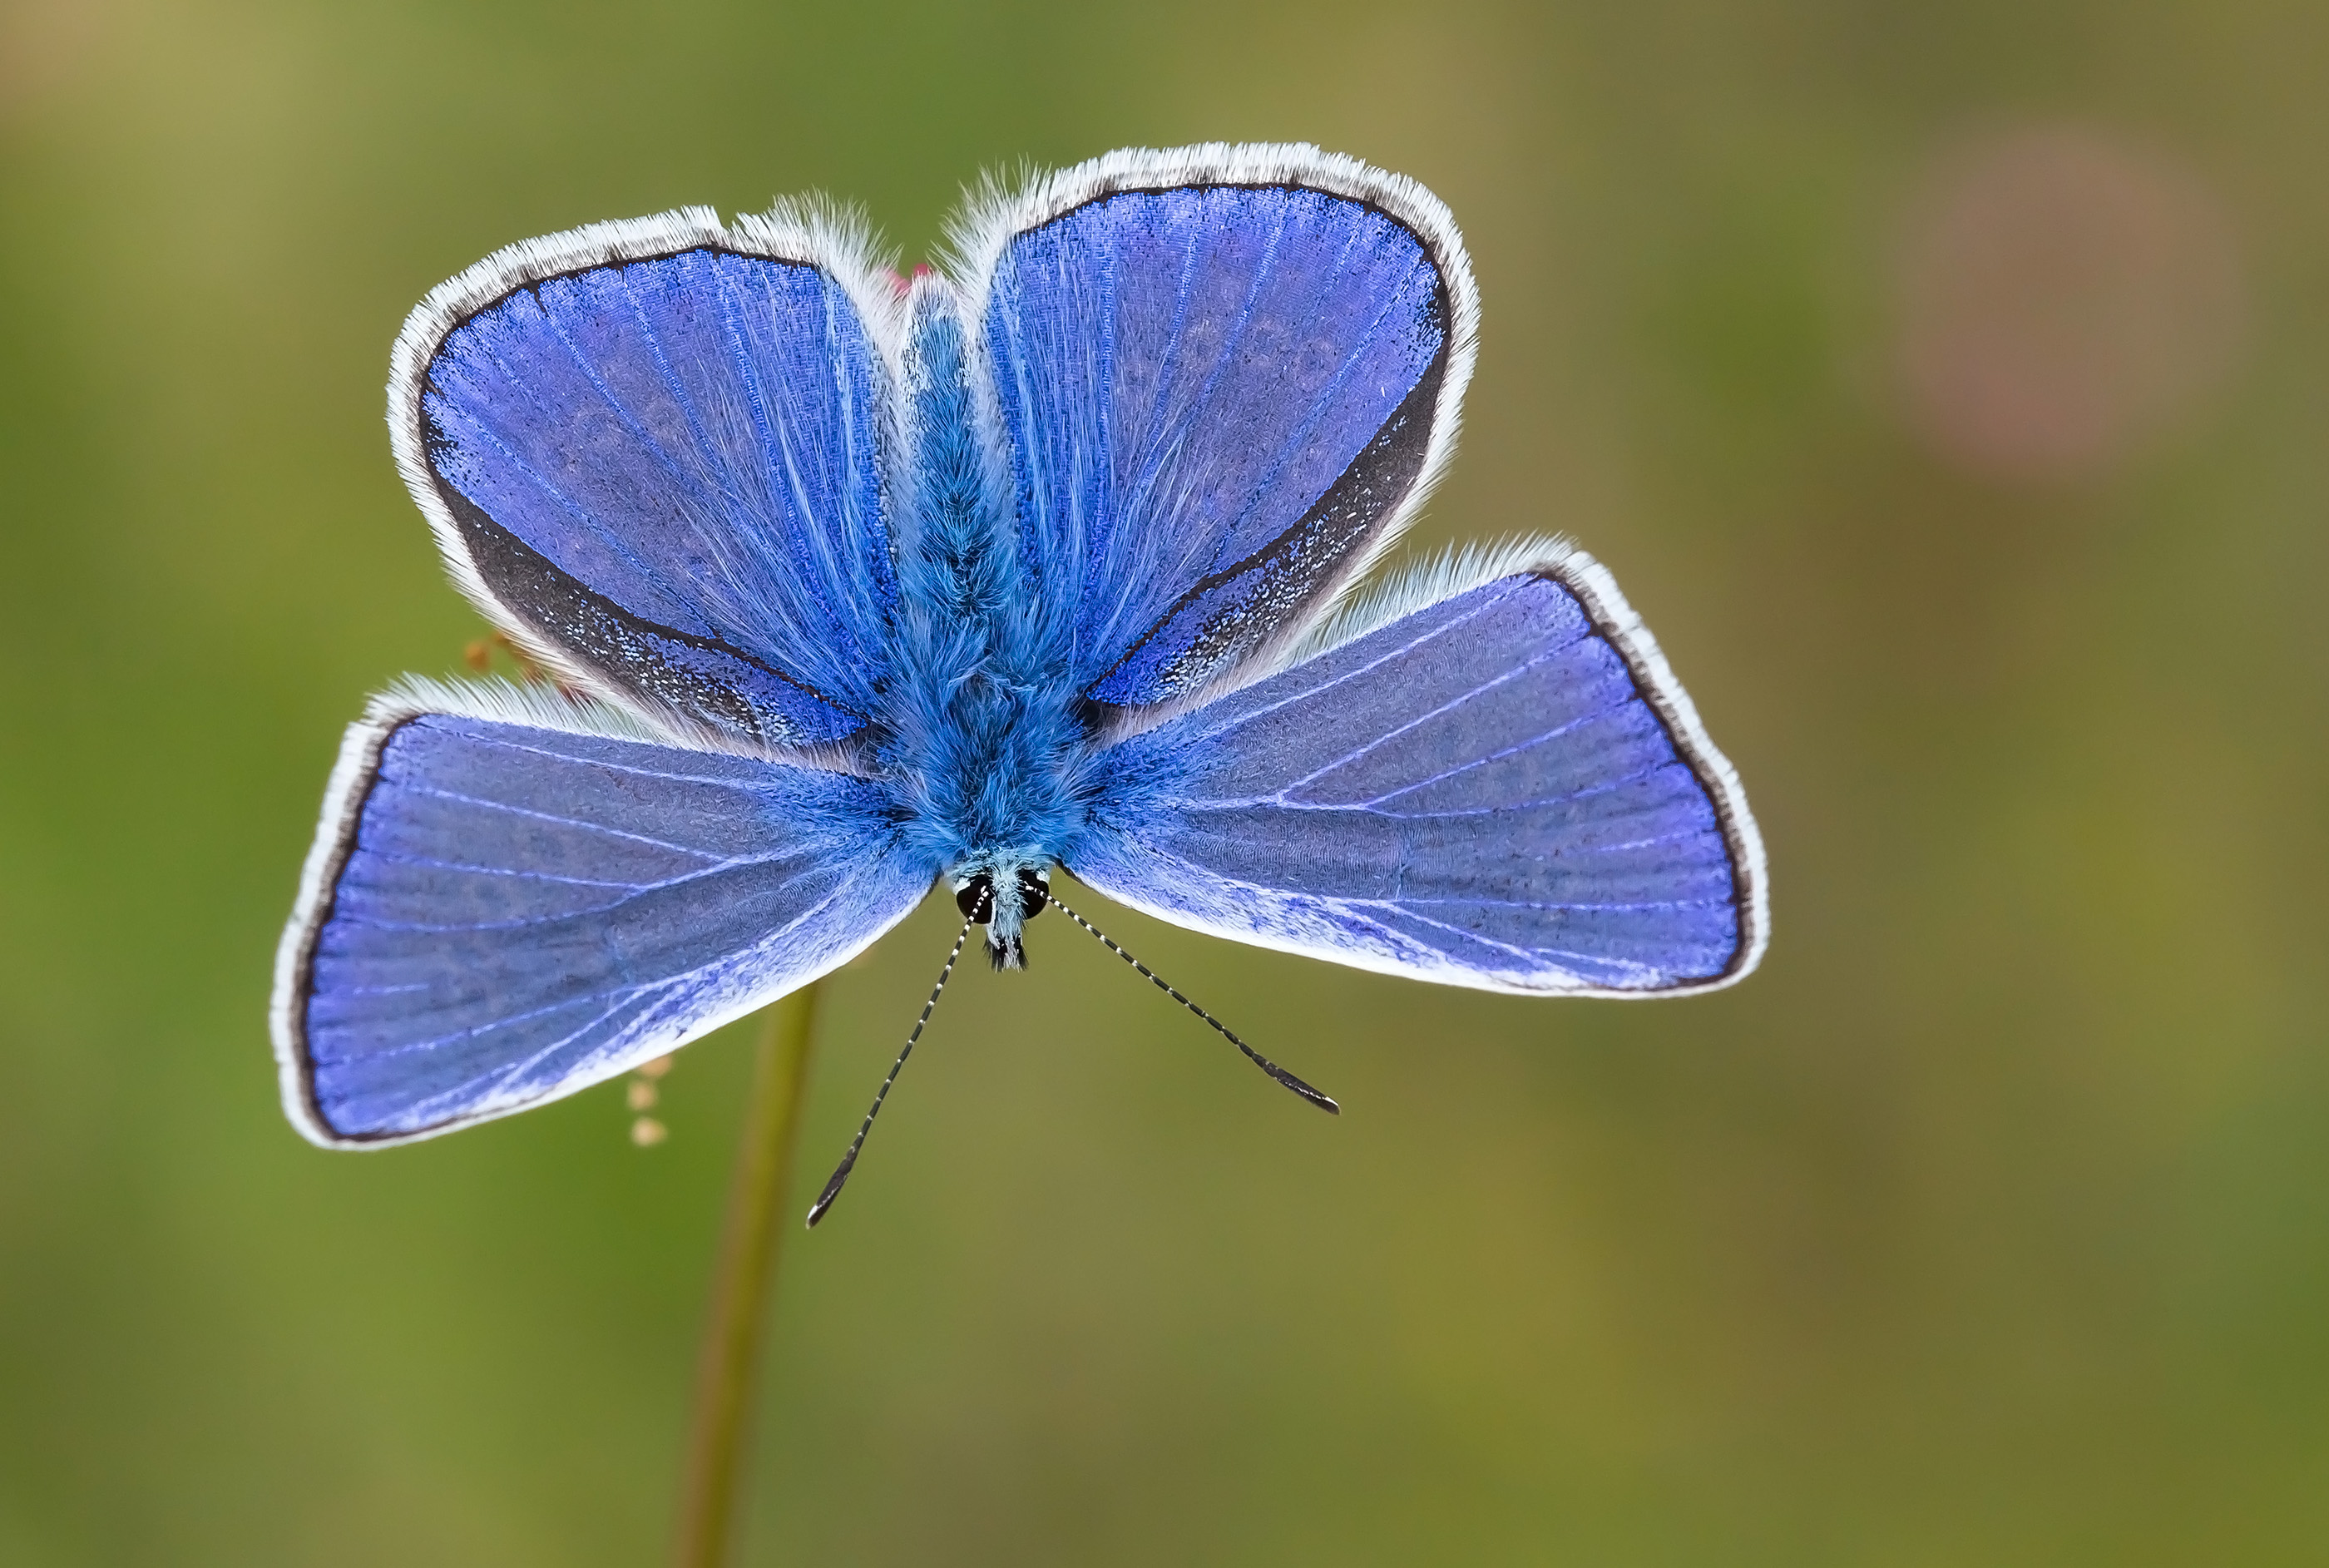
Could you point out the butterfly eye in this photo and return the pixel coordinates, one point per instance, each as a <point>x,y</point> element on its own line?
<point>1032,895</point>
<point>975,899</point>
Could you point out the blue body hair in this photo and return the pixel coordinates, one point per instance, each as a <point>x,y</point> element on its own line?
<point>992,765</point>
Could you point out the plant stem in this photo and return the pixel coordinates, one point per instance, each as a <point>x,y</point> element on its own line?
<point>749,1245</point>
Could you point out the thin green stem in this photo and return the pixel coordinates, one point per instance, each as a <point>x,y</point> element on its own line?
<point>749,1245</point>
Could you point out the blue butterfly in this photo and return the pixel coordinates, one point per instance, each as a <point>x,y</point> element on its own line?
<point>853,587</point>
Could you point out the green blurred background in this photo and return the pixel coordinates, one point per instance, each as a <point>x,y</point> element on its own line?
<point>1945,383</point>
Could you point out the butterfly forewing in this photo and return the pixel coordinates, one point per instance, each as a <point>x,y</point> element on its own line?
<point>499,913</point>
<point>1504,790</point>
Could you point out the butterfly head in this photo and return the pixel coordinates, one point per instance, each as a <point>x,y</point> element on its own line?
<point>1029,890</point>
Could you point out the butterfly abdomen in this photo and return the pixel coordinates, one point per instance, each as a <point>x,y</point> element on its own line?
<point>988,748</point>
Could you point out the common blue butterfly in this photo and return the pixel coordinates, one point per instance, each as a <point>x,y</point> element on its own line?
<point>1045,560</point>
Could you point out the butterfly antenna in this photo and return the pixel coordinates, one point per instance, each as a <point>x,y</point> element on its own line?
<point>848,1161</point>
<point>1252,1055</point>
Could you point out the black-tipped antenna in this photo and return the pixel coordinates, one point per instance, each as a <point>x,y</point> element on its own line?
<point>848,1161</point>
<point>1252,1055</point>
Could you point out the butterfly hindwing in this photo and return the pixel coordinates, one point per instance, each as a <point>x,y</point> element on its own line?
<point>498,913</point>
<point>1225,376</point>
<point>652,450</point>
<point>1506,789</point>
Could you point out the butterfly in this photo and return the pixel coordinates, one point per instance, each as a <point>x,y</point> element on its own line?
<point>855,586</point>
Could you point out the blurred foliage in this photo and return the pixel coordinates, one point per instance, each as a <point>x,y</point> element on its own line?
<point>1988,1225</point>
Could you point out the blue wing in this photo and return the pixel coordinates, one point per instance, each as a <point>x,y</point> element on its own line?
<point>1225,376</point>
<point>1506,789</point>
<point>496,914</point>
<point>651,449</point>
